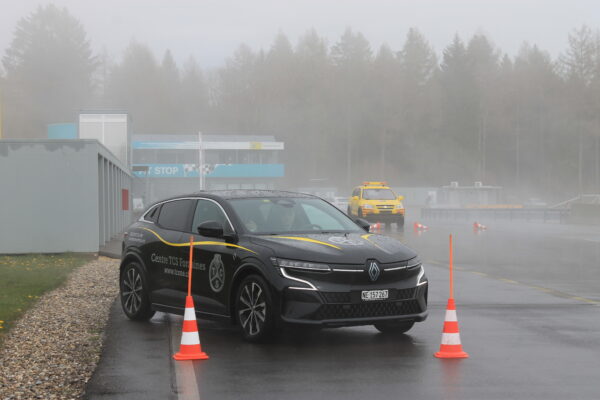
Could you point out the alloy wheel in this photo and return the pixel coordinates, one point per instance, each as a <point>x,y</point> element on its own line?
<point>252,308</point>
<point>132,291</point>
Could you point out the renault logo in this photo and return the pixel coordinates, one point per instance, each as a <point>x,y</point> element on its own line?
<point>373,270</point>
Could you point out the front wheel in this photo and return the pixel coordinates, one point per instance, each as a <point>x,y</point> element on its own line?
<point>254,309</point>
<point>394,327</point>
<point>135,298</point>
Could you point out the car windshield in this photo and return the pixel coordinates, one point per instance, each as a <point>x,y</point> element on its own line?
<point>378,194</point>
<point>291,215</point>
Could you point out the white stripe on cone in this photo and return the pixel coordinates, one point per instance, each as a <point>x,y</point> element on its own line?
<point>190,338</point>
<point>451,338</point>
<point>451,316</point>
<point>190,314</point>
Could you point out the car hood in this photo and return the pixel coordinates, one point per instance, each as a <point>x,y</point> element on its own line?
<point>352,248</point>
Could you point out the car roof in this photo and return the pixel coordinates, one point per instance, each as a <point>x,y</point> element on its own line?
<point>243,194</point>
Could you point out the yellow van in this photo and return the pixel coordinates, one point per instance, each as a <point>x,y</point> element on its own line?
<point>376,202</point>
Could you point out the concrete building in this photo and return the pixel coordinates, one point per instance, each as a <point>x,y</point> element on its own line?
<point>60,196</point>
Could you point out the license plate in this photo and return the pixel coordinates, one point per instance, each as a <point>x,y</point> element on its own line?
<point>370,295</point>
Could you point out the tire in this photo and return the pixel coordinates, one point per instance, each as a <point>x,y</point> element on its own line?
<point>254,311</point>
<point>360,214</point>
<point>394,327</point>
<point>349,212</point>
<point>135,297</point>
<point>400,222</point>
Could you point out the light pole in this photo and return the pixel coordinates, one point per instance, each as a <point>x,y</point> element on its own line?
<point>200,161</point>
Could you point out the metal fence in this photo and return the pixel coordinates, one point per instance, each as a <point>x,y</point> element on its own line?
<point>550,215</point>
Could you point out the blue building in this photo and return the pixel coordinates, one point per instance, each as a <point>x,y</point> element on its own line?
<point>173,164</point>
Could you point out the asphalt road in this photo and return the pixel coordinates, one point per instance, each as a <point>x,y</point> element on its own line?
<point>528,307</point>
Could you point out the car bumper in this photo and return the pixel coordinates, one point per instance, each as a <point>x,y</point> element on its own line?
<point>383,217</point>
<point>331,309</point>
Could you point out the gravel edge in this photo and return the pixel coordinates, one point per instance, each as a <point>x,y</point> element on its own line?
<point>52,351</point>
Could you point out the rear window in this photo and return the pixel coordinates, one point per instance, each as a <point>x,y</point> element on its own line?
<point>175,214</point>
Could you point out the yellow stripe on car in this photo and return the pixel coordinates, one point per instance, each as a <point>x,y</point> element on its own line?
<point>205,243</point>
<point>366,237</point>
<point>303,239</point>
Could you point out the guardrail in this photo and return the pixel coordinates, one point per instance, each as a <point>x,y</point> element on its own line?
<point>507,214</point>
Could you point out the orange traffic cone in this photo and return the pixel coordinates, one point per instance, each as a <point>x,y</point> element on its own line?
<point>190,348</point>
<point>451,346</point>
<point>419,227</point>
<point>477,227</point>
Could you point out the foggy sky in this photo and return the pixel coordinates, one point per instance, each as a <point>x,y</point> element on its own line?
<point>212,30</point>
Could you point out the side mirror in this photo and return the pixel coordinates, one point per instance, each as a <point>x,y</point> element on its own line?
<point>400,198</point>
<point>210,229</point>
<point>354,198</point>
<point>363,224</point>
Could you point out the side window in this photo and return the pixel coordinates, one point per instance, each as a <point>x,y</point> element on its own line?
<point>152,215</point>
<point>174,215</point>
<point>207,210</point>
<point>355,192</point>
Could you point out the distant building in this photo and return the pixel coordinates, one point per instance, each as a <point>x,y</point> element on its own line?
<point>111,129</point>
<point>477,195</point>
<point>172,164</point>
<point>62,131</point>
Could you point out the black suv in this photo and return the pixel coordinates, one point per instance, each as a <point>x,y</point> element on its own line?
<point>264,258</point>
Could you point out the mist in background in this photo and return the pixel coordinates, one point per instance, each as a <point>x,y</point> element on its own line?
<point>348,108</point>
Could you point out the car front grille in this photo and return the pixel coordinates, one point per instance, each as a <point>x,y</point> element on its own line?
<point>405,294</point>
<point>366,310</point>
<point>337,297</point>
<point>385,207</point>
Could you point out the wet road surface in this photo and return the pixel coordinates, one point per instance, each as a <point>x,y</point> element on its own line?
<point>527,300</point>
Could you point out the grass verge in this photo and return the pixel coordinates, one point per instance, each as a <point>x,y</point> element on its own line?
<point>24,278</point>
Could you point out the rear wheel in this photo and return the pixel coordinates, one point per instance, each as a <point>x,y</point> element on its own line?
<point>135,297</point>
<point>394,327</point>
<point>254,309</point>
<point>400,221</point>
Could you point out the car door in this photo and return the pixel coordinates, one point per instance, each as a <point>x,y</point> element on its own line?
<point>213,261</point>
<point>168,265</point>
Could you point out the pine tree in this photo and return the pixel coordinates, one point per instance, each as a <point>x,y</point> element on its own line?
<point>49,67</point>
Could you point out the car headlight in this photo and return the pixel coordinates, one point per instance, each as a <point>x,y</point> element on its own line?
<point>367,206</point>
<point>413,263</point>
<point>399,206</point>
<point>421,279</point>
<point>310,266</point>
